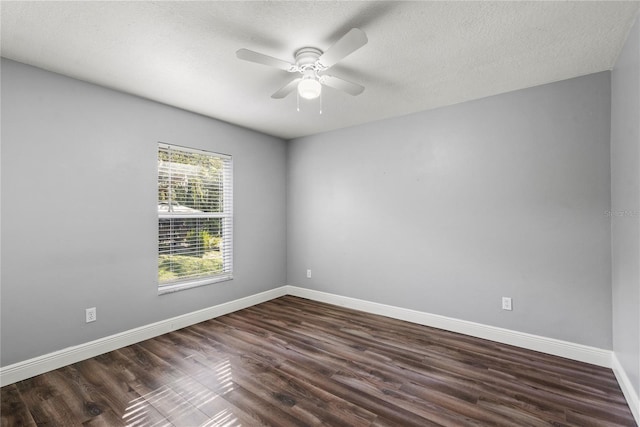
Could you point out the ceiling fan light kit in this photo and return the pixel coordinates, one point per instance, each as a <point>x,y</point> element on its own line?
<point>311,62</point>
<point>309,88</point>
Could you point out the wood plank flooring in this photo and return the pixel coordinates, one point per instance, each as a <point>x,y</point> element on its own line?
<point>295,362</point>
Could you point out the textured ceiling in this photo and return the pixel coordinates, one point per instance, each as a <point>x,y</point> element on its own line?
<point>420,55</point>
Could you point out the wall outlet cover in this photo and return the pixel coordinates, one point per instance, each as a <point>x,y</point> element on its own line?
<point>90,314</point>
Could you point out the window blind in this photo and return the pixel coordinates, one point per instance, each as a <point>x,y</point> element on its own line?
<point>195,217</point>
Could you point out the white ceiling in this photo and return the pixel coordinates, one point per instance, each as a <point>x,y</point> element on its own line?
<point>420,55</point>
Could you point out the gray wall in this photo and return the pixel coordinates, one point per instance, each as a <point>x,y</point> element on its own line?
<point>79,219</point>
<point>443,211</point>
<point>448,210</point>
<point>625,206</point>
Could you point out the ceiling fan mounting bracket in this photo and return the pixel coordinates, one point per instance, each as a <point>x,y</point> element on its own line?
<point>307,59</point>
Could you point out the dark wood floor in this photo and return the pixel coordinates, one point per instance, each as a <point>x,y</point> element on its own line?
<point>295,362</point>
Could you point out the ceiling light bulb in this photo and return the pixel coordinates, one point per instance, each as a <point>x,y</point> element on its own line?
<point>309,88</point>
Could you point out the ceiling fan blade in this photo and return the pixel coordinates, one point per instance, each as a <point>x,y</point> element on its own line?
<point>251,56</point>
<point>286,89</point>
<point>343,85</point>
<point>349,43</point>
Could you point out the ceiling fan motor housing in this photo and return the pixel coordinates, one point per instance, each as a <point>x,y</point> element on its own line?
<point>307,57</point>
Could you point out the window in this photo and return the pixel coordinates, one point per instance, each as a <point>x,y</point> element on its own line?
<point>195,218</point>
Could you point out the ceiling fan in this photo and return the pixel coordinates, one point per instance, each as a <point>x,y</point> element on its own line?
<point>311,62</point>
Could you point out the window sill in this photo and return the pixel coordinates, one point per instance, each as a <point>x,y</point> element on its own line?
<point>181,286</point>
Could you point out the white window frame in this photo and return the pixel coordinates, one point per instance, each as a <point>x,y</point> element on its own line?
<point>227,224</point>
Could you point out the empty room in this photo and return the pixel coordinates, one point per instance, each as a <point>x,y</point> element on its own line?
<point>304,213</point>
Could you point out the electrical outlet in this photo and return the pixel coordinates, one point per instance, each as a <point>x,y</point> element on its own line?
<point>91,315</point>
<point>308,274</point>
<point>506,303</point>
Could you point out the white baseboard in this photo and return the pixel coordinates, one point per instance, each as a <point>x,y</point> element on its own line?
<point>38,365</point>
<point>582,353</point>
<point>48,362</point>
<point>627,388</point>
